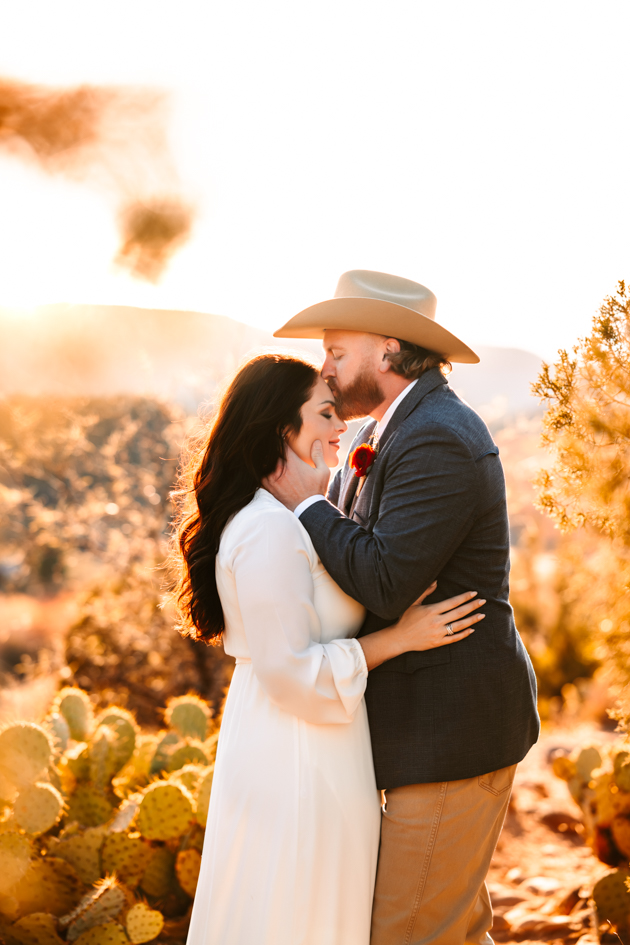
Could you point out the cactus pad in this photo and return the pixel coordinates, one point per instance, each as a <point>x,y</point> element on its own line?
<point>165,812</point>
<point>146,746</point>
<point>189,776</point>
<point>102,757</point>
<point>89,807</point>
<point>25,753</point>
<point>163,749</point>
<point>104,902</point>
<point>110,933</point>
<point>187,866</point>
<point>39,928</point>
<point>125,856</point>
<point>190,753</point>
<point>159,876</point>
<point>49,885</point>
<point>15,858</point>
<point>126,814</point>
<point>76,708</point>
<point>612,899</point>
<point>188,715</point>
<point>38,808</point>
<point>586,761</point>
<point>82,850</point>
<point>143,924</point>
<point>59,731</point>
<point>123,725</point>
<point>77,760</point>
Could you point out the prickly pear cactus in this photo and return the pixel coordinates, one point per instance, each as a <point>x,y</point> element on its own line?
<point>158,878</point>
<point>189,716</point>
<point>106,901</point>
<point>187,866</point>
<point>76,708</point>
<point>166,811</point>
<point>125,731</point>
<point>37,808</point>
<point>189,753</point>
<point>125,856</point>
<point>143,924</point>
<point>94,848</point>
<point>82,850</point>
<point>15,859</point>
<point>110,933</point>
<point>165,746</point>
<point>89,806</point>
<point>49,885</point>
<point>59,731</point>
<point>26,751</point>
<point>612,899</point>
<point>39,928</point>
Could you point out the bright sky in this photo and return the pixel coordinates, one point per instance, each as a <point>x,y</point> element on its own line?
<point>478,147</point>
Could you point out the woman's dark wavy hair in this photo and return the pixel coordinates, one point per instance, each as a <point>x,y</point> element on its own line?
<point>223,471</point>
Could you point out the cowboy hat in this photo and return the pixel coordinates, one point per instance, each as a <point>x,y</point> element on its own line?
<point>385,305</point>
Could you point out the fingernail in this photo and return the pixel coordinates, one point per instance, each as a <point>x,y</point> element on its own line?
<point>481,617</point>
<point>472,593</point>
<point>481,602</point>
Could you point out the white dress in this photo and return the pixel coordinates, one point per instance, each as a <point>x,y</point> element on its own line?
<point>293,828</point>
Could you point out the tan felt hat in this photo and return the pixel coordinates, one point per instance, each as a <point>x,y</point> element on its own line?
<point>385,305</point>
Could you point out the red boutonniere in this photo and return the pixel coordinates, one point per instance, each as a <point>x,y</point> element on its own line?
<point>362,459</point>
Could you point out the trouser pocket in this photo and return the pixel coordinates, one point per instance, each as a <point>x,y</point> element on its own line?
<point>498,781</point>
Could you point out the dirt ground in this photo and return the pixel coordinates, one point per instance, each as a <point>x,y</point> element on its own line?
<point>542,871</point>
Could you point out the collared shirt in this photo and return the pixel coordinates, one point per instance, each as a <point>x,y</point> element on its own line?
<point>380,429</point>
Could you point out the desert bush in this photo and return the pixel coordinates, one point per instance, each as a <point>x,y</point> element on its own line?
<point>82,476</point>
<point>102,825</point>
<point>124,648</point>
<point>587,428</point>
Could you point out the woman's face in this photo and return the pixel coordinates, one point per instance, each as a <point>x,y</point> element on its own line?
<point>319,422</point>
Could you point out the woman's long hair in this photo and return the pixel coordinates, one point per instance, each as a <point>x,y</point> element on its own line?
<point>243,445</point>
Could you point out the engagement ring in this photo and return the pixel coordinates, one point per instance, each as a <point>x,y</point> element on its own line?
<point>449,630</point>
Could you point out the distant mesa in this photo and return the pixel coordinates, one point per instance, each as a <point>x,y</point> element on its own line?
<point>100,350</point>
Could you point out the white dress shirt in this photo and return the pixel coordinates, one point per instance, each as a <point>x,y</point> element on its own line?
<point>380,430</point>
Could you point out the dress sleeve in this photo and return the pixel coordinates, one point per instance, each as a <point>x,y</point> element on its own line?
<point>322,683</point>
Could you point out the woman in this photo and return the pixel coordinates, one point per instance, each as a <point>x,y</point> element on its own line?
<point>293,827</point>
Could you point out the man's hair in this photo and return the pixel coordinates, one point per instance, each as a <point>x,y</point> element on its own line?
<point>412,360</point>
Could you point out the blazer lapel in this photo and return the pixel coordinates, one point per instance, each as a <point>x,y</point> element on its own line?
<point>426,383</point>
<point>350,480</point>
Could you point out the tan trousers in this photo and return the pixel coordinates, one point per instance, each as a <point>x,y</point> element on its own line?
<point>437,841</point>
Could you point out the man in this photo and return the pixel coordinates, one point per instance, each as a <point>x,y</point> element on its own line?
<point>448,725</point>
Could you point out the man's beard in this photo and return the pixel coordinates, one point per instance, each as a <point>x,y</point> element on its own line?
<point>359,398</point>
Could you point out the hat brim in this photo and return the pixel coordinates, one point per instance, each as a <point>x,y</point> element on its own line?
<point>381,318</point>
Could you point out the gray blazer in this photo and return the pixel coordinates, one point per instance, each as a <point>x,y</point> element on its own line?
<point>433,507</point>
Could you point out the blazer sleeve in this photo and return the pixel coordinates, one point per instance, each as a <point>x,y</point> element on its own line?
<point>426,507</point>
<point>271,564</point>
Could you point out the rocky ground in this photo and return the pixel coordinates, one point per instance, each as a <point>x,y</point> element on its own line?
<point>542,872</point>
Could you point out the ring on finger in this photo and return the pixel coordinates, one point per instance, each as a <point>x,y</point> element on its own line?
<point>449,630</point>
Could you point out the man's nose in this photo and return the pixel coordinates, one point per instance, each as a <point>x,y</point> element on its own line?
<point>327,370</point>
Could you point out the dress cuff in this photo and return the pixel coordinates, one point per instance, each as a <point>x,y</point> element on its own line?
<point>306,504</point>
<point>361,657</point>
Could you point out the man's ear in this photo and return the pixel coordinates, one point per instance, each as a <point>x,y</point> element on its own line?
<point>390,346</point>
